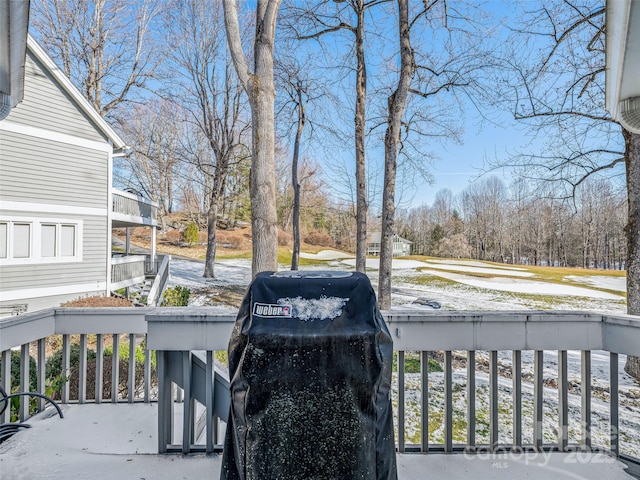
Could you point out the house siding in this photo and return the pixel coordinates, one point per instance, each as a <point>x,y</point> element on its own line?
<point>47,106</point>
<point>54,164</point>
<point>92,267</point>
<point>45,171</point>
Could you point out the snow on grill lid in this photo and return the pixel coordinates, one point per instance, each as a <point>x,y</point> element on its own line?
<point>311,274</point>
<point>323,308</point>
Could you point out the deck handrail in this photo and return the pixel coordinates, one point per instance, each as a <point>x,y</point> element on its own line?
<point>127,270</point>
<point>492,346</point>
<point>133,205</point>
<point>161,275</point>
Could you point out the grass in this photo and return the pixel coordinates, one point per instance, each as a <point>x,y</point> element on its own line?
<point>412,363</point>
<point>284,257</point>
<point>546,273</point>
<point>468,274</point>
<point>529,300</point>
<point>431,279</point>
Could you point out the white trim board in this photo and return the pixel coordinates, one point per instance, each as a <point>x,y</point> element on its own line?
<point>49,208</point>
<point>36,132</point>
<point>40,292</point>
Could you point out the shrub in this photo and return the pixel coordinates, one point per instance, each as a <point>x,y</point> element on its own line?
<point>190,234</point>
<point>174,237</point>
<point>98,301</point>
<point>412,363</point>
<point>56,380</point>
<point>53,368</point>
<point>235,241</point>
<point>176,297</point>
<point>284,238</point>
<point>124,353</point>
<point>139,232</point>
<point>319,238</point>
<point>230,240</point>
<point>15,371</point>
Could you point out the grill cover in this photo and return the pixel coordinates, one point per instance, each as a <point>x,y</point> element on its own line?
<point>310,366</point>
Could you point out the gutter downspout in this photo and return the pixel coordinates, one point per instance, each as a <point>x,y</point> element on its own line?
<point>5,105</point>
<point>14,23</point>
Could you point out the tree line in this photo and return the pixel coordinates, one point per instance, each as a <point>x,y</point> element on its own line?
<point>492,221</point>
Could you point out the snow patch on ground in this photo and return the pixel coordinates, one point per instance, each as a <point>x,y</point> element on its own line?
<point>326,255</point>
<point>491,270</point>
<point>396,263</point>
<point>468,293</point>
<point>530,286</point>
<point>610,283</point>
<point>188,273</point>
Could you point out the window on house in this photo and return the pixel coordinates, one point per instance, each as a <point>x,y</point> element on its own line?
<point>32,241</point>
<point>48,240</point>
<point>4,230</point>
<point>67,240</point>
<point>21,240</point>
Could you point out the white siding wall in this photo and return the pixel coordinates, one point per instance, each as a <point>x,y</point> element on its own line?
<point>47,106</point>
<point>44,171</point>
<point>54,163</point>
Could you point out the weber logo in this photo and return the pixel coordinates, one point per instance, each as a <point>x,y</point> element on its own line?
<point>269,310</point>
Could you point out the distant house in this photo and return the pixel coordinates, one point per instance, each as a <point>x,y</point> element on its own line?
<point>57,203</point>
<point>401,246</point>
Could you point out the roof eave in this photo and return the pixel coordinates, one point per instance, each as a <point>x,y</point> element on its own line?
<point>622,33</point>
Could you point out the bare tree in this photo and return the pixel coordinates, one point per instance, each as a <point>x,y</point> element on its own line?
<point>259,85</point>
<point>558,91</point>
<point>482,204</point>
<point>209,88</point>
<point>299,89</point>
<point>104,47</point>
<point>427,72</point>
<point>155,129</point>
<point>397,103</point>
<point>313,20</point>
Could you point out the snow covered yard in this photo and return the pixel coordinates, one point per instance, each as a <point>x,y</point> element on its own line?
<point>475,285</point>
<point>455,284</point>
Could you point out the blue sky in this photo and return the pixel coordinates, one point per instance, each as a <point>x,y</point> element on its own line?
<point>454,165</point>
<point>460,165</point>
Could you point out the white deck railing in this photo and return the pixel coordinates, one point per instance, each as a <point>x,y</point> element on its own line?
<point>508,379</point>
<point>130,206</point>
<point>127,270</point>
<point>159,269</point>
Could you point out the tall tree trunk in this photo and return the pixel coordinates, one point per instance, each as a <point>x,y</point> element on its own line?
<point>212,216</point>
<point>294,180</point>
<point>396,104</point>
<point>260,89</point>
<point>263,186</point>
<point>632,230</point>
<point>210,257</point>
<point>169,190</point>
<point>360,118</point>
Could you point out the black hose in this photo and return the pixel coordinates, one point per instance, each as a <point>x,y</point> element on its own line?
<point>8,429</point>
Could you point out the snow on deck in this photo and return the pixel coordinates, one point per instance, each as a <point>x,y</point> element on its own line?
<point>116,442</point>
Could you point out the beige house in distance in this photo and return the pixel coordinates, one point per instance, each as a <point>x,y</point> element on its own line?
<point>401,246</point>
